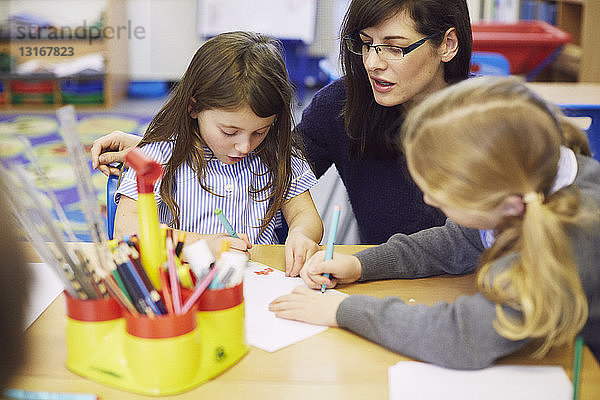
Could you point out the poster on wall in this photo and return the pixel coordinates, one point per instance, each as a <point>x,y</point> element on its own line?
<point>283,19</point>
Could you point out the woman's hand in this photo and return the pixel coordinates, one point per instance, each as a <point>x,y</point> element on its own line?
<point>298,249</point>
<point>342,268</point>
<point>112,148</point>
<point>308,305</point>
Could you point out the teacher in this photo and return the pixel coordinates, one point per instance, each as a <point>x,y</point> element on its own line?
<point>394,54</point>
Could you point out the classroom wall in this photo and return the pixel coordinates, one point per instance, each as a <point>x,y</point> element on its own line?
<point>173,38</point>
<point>170,42</point>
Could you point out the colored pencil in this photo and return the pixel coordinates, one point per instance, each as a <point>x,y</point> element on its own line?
<point>228,228</point>
<point>335,218</point>
<point>577,355</point>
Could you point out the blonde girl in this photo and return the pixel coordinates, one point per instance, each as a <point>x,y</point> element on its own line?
<point>523,212</point>
<point>225,140</point>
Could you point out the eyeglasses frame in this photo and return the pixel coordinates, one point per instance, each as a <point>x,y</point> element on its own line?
<point>378,47</point>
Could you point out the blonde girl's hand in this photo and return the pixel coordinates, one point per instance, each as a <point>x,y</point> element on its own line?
<point>298,249</point>
<point>112,148</point>
<point>342,268</point>
<point>307,305</point>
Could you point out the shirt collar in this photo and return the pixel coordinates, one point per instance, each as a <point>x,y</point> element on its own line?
<point>567,171</point>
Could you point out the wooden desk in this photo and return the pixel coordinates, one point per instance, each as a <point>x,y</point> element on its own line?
<point>567,93</point>
<point>335,364</point>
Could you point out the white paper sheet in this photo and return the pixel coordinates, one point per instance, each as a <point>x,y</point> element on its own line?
<point>44,287</point>
<point>262,285</point>
<point>420,381</point>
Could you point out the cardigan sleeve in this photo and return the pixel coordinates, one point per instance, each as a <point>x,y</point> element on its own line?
<point>448,249</point>
<point>454,335</point>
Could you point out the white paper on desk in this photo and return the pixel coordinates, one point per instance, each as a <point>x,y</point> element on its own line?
<point>419,381</point>
<point>262,285</point>
<point>44,287</point>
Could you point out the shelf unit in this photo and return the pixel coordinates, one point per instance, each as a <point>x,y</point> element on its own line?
<point>114,52</point>
<point>578,17</point>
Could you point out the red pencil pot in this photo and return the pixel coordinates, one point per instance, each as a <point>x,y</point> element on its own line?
<point>221,299</point>
<point>88,324</point>
<point>162,352</point>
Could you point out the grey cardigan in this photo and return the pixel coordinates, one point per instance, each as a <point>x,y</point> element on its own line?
<point>460,334</point>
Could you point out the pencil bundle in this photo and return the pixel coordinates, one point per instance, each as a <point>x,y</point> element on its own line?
<point>180,284</point>
<point>151,274</point>
<point>49,230</point>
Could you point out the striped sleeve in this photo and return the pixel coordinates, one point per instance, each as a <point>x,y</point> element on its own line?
<point>302,178</point>
<point>159,152</point>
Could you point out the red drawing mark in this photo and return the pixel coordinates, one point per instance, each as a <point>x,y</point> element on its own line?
<point>265,271</point>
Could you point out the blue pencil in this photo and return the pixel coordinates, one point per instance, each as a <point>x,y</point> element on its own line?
<point>225,223</point>
<point>335,218</point>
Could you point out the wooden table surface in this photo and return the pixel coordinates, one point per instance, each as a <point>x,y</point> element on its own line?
<point>567,93</point>
<point>335,364</point>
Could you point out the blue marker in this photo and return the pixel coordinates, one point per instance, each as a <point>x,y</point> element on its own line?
<point>335,218</point>
<point>225,223</point>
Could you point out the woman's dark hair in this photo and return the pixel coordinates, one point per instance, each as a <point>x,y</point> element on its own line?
<point>370,126</point>
<point>228,72</point>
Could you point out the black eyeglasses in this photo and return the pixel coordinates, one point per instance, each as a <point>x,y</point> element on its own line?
<point>385,51</point>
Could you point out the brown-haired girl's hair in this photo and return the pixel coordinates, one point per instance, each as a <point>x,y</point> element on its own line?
<point>475,143</point>
<point>228,72</point>
<point>370,126</point>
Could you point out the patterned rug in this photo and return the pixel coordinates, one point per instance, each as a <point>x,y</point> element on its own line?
<point>42,132</point>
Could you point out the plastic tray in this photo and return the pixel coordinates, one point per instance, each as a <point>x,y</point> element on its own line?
<point>526,44</point>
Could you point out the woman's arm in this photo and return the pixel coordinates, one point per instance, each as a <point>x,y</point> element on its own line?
<point>112,148</point>
<point>305,231</point>
<point>321,127</point>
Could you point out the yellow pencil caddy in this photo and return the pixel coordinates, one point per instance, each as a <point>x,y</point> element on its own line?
<point>156,356</point>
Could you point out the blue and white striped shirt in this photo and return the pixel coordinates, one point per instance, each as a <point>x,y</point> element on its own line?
<point>230,182</point>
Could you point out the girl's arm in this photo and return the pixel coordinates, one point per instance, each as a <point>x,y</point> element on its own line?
<point>126,217</point>
<point>305,231</point>
<point>448,249</point>
<point>454,335</point>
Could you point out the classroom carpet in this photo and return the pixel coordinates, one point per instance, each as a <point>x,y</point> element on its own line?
<point>42,131</point>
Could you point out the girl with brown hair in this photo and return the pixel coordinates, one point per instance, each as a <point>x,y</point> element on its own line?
<point>225,140</point>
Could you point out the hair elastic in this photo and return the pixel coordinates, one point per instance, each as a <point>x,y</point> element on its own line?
<point>530,197</point>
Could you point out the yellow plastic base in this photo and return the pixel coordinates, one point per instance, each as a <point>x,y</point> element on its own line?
<point>106,353</point>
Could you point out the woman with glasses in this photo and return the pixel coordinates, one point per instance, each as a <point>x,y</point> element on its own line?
<point>394,53</point>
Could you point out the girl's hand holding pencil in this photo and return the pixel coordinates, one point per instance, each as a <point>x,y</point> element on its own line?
<point>342,268</point>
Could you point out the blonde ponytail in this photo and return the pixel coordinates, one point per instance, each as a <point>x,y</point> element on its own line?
<point>544,283</point>
<point>473,145</point>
